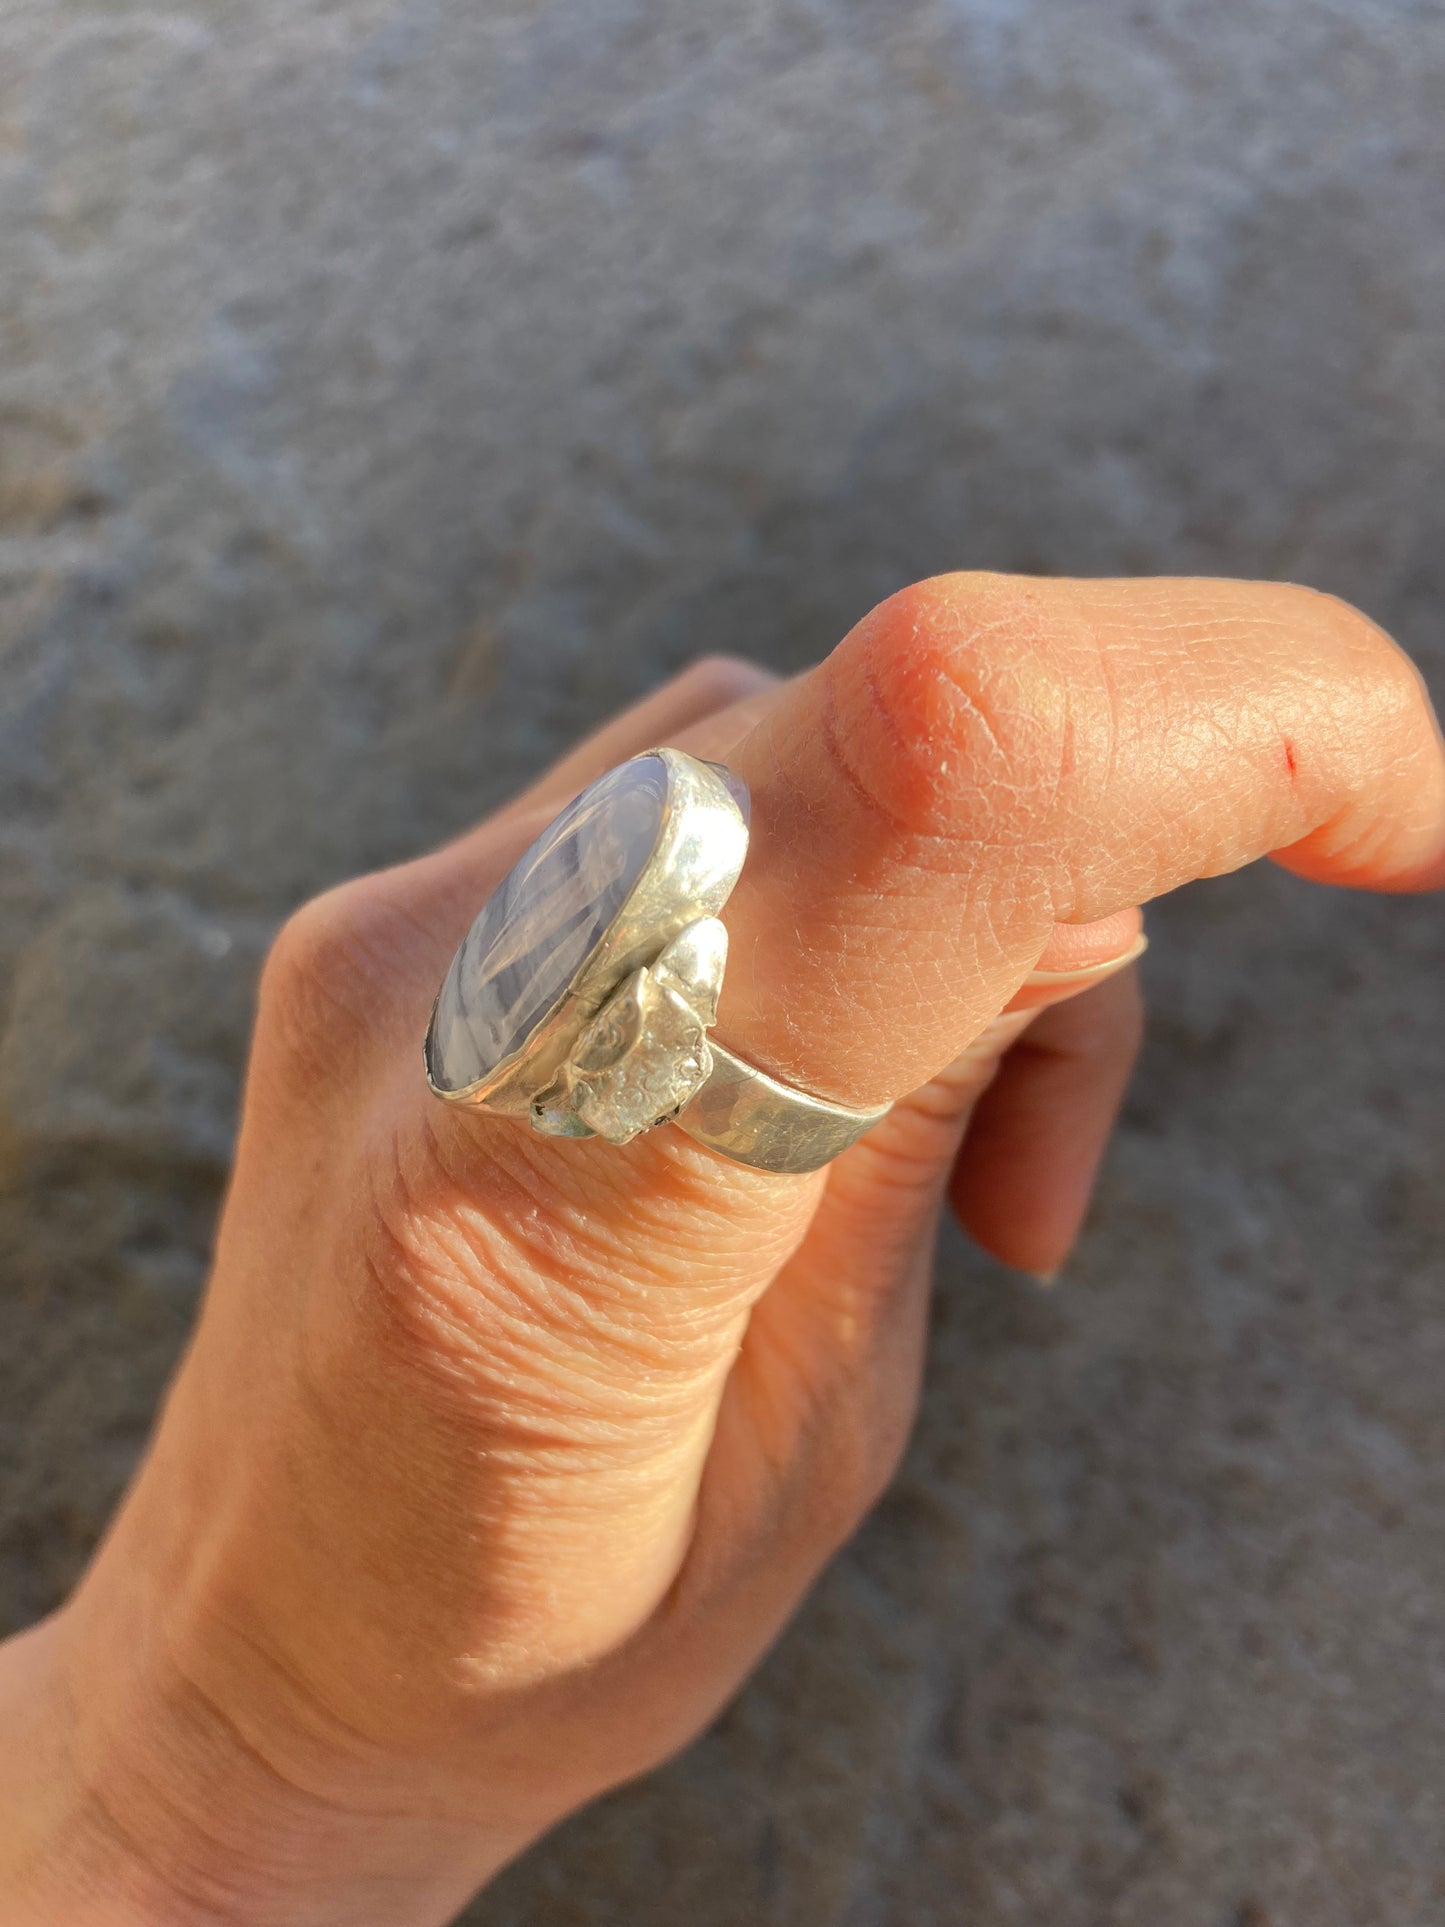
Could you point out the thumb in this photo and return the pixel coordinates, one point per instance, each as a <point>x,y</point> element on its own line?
<point>986,757</point>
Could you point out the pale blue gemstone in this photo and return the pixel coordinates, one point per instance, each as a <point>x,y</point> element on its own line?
<point>543,921</point>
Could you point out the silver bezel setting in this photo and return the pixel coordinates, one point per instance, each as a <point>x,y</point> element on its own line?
<point>696,859</point>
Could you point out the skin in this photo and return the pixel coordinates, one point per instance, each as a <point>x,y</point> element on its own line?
<point>495,1463</point>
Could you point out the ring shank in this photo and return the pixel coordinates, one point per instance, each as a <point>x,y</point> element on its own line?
<point>755,1119</point>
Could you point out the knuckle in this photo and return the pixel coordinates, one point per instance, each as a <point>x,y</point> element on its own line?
<point>476,1285</point>
<point>329,978</point>
<point>1401,696</point>
<point>442,1306</point>
<point>418,1259</point>
<point>435,1234</point>
<point>1378,703</point>
<point>1376,663</point>
<point>1340,616</point>
<point>948,707</point>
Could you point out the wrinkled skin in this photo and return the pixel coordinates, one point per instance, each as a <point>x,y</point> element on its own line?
<point>496,1462</point>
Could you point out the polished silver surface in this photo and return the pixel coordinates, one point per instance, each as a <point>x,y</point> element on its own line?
<point>759,1120</point>
<point>583,994</point>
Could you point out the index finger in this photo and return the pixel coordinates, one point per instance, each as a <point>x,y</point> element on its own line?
<point>984,756</point>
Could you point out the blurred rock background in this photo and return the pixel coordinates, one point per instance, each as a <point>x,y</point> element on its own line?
<point>387,390</point>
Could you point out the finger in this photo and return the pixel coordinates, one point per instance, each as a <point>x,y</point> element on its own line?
<point>669,713</point>
<point>1024,1177</point>
<point>404,920</point>
<point>858,1289</point>
<point>710,684</point>
<point>1079,955</point>
<point>984,758</point>
<point>1085,946</point>
<point>819,1405</point>
<point>834,1349</point>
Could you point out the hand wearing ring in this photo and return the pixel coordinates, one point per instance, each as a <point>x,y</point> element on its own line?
<point>513,1430</point>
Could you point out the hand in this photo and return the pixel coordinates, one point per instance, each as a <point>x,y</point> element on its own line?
<point>496,1462</point>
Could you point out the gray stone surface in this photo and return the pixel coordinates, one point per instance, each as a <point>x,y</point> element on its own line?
<point>386,390</point>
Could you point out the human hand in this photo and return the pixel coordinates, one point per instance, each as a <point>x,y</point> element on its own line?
<point>496,1461</point>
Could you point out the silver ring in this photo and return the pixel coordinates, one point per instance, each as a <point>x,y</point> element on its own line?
<point>582,996</point>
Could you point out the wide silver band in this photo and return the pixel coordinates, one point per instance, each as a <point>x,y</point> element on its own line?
<point>621,1044</point>
<point>759,1120</point>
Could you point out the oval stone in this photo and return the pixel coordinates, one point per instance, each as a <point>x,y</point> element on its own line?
<point>543,921</point>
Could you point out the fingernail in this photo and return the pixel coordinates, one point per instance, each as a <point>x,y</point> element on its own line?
<point>1049,978</point>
